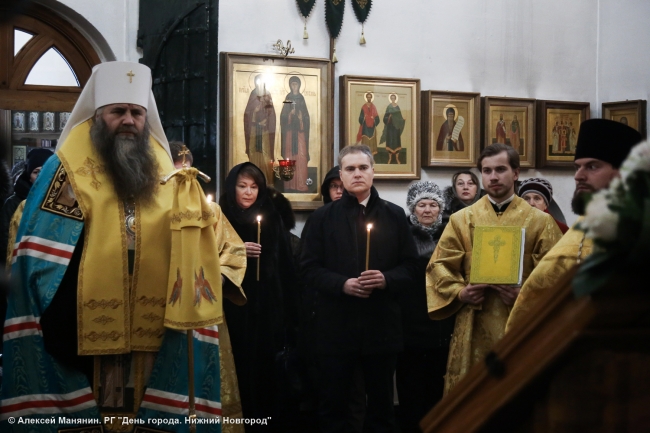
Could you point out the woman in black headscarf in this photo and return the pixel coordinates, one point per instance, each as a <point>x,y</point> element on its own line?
<point>261,328</point>
<point>35,160</point>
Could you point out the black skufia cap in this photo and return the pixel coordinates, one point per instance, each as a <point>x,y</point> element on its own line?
<point>607,140</point>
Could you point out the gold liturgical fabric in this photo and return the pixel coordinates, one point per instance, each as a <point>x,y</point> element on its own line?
<point>549,272</point>
<point>479,327</point>
<point>194,298</point>
<point>232,258</point>
<point>114,316</point>
<point>13,230</point>
<point>496,256</point>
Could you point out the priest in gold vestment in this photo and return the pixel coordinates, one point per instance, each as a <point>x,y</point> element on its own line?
<point>602,147</point>
<point>482,310</point>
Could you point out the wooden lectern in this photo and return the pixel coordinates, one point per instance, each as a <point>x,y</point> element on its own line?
<point>578,365</point>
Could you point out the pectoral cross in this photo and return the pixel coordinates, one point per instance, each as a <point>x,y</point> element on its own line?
<point>496,243</point>
<point>130,74</point>
<point>183,152</point>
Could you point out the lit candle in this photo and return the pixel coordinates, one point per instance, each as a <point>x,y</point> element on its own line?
<point>209,198</point>
<point>259,240</point>
<point>368,247</point>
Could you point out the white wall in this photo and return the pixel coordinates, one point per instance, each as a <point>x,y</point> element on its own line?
<point>624,63</point>
<point>501,48</point>
<point>115,20</point>
<point>579,50</point>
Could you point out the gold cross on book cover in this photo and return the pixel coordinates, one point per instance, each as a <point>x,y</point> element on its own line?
<point>497,255</point>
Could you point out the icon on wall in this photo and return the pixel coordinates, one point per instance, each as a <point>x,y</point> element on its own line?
<point>18,121</point>
<point>63,120</point>
<point>48,121</point>
<point>19,154</point>
<point>33,121</point>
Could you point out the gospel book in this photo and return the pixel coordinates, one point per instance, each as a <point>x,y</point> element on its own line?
<point>497,255</point>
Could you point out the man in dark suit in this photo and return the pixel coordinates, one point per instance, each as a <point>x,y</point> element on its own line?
<point>358,316</point>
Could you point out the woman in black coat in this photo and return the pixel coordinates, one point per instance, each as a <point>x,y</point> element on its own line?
<point>35,160</point>
<point>422,366</point>
<point>260,329</point>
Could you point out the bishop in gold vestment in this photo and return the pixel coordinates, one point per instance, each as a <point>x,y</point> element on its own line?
<point>105,274</point>
<point>479,327</point>
<point>562,257</point>
<point>232,258</point>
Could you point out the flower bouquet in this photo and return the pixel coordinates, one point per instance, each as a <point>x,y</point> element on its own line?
<point>618,221</point>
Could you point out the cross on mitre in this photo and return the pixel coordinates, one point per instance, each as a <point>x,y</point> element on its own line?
<point>130,74</point>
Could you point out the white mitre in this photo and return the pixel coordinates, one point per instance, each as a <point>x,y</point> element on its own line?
<point>117,83</point>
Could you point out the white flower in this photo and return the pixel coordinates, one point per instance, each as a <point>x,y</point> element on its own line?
<point>637,160</point>
<point>600,222</point>
<point>615,189</point>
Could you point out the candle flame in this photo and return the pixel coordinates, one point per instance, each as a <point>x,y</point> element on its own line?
<point>209,198</point>
<point>259,218</point>
<point>369,227</point>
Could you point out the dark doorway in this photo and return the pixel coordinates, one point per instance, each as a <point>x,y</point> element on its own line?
<point>179,43</point>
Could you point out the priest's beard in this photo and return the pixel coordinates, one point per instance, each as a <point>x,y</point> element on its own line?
<point>130,163</point>
<point>578,202</point>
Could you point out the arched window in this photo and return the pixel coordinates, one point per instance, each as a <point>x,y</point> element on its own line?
<point>46,62</point>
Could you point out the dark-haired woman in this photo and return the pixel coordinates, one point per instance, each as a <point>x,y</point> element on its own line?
<point>262,327</point>
<point>465,190</point>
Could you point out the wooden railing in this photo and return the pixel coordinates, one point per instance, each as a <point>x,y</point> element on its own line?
<point>549,363</point>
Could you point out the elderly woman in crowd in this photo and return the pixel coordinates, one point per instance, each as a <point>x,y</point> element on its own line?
<point>261,328</point>
<point>538,192</point>
<point>422,365</point>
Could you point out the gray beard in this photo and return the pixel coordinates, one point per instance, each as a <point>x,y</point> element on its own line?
<point>130,163</point>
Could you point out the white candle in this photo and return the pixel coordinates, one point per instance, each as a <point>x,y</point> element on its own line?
<point>368,246</point>
<point>259,240</point>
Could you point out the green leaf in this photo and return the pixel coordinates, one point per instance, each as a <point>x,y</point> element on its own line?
<point>594,273</point>
<point>641,240</point>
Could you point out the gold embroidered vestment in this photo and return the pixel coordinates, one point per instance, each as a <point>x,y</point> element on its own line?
<point>479,327</point>
<point>549,272</point>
